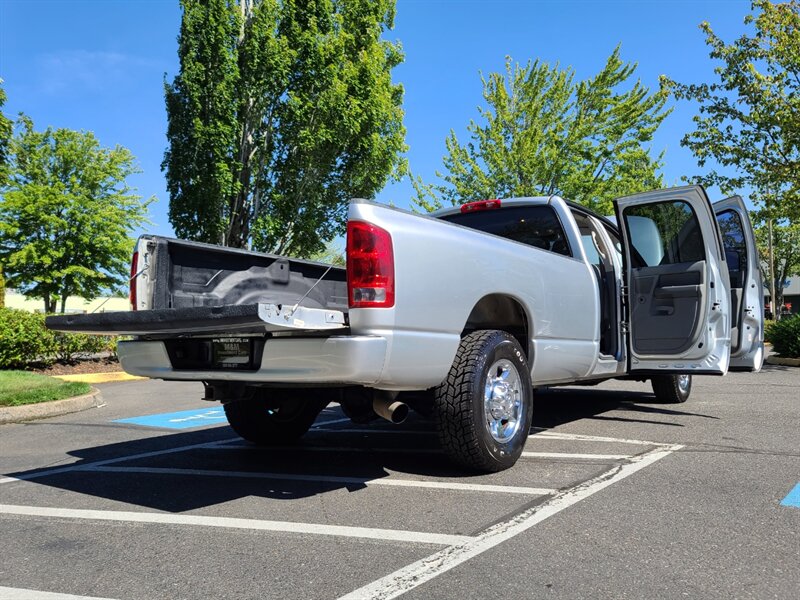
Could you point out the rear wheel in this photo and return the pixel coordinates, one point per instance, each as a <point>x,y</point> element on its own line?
<point>270,419</point>
<point>672,389</point>
<point>483,409</point>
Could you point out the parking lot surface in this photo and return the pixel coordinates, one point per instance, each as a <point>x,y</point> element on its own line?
<point>616,496</point>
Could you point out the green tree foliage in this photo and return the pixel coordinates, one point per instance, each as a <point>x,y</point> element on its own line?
<point>66,215</point>
<point>6,129</point>
<point>546,134</point>
<point>749,120</point>
<point>332,254</point>
<point>281,112</point>
<point>786,252</point>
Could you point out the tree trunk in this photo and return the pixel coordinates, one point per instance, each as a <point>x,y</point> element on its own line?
<point>772,300</point>
<point>63,304</point>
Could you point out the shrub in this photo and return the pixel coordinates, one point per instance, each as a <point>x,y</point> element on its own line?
<point>784,335</point>
<point>23,338</point>
<point>67,346</point>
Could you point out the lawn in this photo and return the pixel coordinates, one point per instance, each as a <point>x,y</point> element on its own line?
<point>20,387</point>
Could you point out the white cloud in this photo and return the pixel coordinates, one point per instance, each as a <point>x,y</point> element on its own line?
<point>84,70</point>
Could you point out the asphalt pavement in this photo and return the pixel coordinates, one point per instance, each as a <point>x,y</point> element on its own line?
<point>616,496</point>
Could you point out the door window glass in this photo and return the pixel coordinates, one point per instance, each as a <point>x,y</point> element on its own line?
<point>664,233</point>
<point>733,240</point>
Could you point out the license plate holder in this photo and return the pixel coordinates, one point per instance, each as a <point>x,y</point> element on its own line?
<point>232,353</point>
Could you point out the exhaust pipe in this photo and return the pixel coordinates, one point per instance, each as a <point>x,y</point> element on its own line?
<point>385,406</point>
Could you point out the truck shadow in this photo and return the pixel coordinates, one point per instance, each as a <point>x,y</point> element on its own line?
<point>558,406</point>
<point>180,472</point>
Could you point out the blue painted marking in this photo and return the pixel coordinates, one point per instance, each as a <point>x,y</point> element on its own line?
<point>184,419</point>
<point>793,498</point>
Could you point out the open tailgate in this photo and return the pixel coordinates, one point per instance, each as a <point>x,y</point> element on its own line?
<point>232,318</point>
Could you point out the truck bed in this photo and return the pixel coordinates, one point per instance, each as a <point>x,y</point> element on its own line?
<point>191,274</point>
<point>190,288</point>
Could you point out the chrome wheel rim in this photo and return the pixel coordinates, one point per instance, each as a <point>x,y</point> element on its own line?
<point>684,381</point>
<point>502,400</point>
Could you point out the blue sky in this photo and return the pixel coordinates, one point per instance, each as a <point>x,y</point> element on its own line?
<point>99,65</point>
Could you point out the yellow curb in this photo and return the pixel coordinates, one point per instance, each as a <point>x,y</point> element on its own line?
<point>99,377</point>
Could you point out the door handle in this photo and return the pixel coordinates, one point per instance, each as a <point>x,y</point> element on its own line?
<point>677,291</point>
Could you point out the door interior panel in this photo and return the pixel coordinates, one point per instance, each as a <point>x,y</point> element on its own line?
<point>667,302</point>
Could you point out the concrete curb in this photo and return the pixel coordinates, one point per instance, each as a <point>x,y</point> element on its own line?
<point>44,410</point>
<point>785,362</point>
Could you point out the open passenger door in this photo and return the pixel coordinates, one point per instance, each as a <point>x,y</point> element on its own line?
<point>741,256</point>
<point>676,283</point>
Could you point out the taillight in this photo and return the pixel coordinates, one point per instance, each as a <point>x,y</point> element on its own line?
<point>134,267</point>
<point>370,266</point>
<point>480,205</point>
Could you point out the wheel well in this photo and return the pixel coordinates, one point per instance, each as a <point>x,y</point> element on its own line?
<point>496,311</point>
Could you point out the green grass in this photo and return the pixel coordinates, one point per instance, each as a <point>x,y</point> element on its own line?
<point>20,387</point>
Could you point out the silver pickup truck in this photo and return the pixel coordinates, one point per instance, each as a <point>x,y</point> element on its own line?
<point>459,315</point>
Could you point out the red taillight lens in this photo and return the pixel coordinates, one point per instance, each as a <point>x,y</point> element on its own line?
<point>370,266</point>
<point>480,205</point>
<point>134,270</point>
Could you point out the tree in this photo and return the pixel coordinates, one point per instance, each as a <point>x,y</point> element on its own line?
<point>749,121</point>
<point>66,215</point>
<point>545,134</point>
<point>281,112</point>
<point>786,255</point>
<point>332,254</point>
<point>6,129</point>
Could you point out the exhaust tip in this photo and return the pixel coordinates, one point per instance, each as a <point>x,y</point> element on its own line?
<point>393,411</point>
<point>399,412</point>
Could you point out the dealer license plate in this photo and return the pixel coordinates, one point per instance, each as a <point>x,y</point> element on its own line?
<point>231,353</point>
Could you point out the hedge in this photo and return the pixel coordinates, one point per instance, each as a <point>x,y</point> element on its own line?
<point>784,335</point>
<point>24,340</point>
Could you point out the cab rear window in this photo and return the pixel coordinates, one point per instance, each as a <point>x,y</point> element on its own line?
<point>536,226</point>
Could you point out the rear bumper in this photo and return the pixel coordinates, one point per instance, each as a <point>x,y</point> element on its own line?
<point>351,360</point>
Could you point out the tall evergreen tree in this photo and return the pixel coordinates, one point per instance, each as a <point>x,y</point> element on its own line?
<point>543,133</point>
<point>281,112</point>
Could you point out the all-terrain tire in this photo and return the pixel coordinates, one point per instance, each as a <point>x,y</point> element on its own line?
<point>263,423</point>
<point>672,389</point>
<point>461,404</point>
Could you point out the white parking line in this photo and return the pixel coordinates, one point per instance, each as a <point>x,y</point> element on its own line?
<point>375,430</point>
<point>372,450</point>
<point>576,456</point>
<point>417,573</point>
<point>546,455</point>
<point>396,535</point>
<point>301,448</point>
<point>331,422</point>
<point>82,466</point>
<point>7,593</point>
<point>387,481</point>
<point>557,435</point>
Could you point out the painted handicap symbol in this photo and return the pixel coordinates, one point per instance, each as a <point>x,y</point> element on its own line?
<point>183,419</point>
<point>212,415</point>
